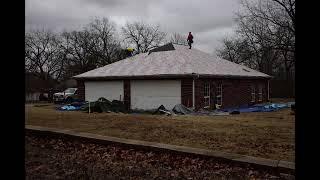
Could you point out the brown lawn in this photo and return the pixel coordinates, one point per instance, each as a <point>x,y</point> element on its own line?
<point>264,134</point>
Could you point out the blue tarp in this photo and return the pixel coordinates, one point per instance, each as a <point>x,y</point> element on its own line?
<point>260,108</point>
<point>71,107</point>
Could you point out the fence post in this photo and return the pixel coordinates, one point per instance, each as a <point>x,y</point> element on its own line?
<point>89,108</point>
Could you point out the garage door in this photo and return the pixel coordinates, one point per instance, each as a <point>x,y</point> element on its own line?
<point>150,94</point>
<point>111,90</point>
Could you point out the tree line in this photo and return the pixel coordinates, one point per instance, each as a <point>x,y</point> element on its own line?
<point>61,55</point>
<point>264,38</point>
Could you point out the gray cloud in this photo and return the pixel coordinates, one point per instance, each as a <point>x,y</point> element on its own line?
<point>209,20</point>
<point>211,40</point>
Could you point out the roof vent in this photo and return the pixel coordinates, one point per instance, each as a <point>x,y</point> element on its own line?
<point>166,47</point>
<point>245,70</point>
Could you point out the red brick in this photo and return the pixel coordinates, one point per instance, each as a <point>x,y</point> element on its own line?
<point>186,92</point>
<point>235,92</point>
<point>127,94</point>
<point>81,90</point>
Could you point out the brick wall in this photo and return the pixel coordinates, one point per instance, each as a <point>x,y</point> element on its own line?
<point>127,94</point>
<point>81,90</point>
<point>235,92</point>
<point>199,93</point>
<point>238,92</point>
<point>186,92</point>
<point>213,88</point>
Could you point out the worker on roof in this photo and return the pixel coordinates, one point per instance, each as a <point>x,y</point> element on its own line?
<point>190,40</point>
<point>130,52</point>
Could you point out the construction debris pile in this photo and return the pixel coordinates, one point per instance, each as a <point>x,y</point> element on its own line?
<point>104,105</point>
<point>101,105</point>
<point>180,109</point>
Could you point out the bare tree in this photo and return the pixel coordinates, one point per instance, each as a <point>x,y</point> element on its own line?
<point>42,54</point>
<point>271,25</point>
<point>78,49</point>
<point>93,46</point>
<point>178,39</point>
<point>236,50</point>
<point>267,28</point>
<point>69,53</point>
<point>257,33</point>
<point>143,36</point>
<point>278,12</point>
<point>106,44</point>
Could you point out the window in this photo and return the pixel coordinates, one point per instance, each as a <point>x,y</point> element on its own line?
<point>260,93</point>
<point>253,93</point>
<point>206,95</point>
<point>219,95</point>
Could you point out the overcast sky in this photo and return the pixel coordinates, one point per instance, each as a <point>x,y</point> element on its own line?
<point>208,20</point>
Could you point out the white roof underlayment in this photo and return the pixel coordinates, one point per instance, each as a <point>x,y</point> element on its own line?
<point>181,61</point>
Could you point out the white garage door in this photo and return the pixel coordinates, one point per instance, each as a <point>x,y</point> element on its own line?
<point>111,90</point>
<point>150,94</point>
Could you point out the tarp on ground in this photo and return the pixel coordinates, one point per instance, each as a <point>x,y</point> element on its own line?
<point>201,112</point>
<point>117,106</point>
<point>101,105</point>
<point>69,108</point>
<point>162,110</point>
<point>75,106</point>
<point>181,109</point>
<point>204,112</point>
<point>104,105</point>
<point>217,113</point>
<point>260,107</point>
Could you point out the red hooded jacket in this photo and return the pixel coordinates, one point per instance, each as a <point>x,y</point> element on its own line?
<point>190,38</point>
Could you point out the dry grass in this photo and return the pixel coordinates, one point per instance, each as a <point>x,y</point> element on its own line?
<point>268,134</point>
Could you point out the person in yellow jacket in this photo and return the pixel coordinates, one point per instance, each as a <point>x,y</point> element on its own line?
<point>130,51</point>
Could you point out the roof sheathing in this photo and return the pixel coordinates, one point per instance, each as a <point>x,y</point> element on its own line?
<point>181,62</point>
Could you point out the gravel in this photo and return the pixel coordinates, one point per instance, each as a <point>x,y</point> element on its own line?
<point>61,158</point>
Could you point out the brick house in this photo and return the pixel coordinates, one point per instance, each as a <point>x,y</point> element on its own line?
<point>174,74</point>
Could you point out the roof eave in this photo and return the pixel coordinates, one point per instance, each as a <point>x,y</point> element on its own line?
<point>171,76</point>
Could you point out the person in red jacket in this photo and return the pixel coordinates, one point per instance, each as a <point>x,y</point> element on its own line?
<point>190,40</point>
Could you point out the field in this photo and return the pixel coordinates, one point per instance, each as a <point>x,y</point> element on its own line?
<point>261,134</point>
